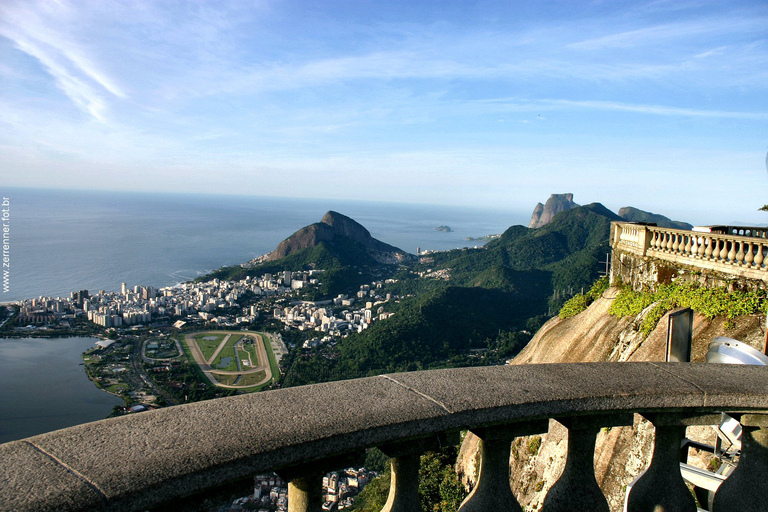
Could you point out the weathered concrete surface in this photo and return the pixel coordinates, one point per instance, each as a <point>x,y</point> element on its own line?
<point>137,461</point>
<point>621,453</point>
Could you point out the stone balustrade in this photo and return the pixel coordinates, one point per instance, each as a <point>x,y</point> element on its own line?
<point>737,251</point>
<point>157,459</point>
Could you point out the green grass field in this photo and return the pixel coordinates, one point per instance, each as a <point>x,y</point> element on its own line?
<point>117,388</point>
<point>227,380</point>
<point>252,378</point>
<point>227,352</point>
<point>209,346</point>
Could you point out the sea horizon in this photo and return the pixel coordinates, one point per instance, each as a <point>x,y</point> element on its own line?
<point>64,240</point>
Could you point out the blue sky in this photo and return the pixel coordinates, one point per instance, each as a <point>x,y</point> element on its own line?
<point>662,105</point>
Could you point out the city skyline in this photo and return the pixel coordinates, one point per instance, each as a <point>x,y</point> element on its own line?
<point>658,105</point>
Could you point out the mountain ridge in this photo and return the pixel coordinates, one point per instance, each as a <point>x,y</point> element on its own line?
<point>632,214</point>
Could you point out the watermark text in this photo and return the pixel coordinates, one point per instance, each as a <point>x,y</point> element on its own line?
<point>5,218</point>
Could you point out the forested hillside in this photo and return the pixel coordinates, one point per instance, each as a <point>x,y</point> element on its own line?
<point>480,311</point>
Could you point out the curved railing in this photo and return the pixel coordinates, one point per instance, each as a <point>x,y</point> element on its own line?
<point>737,251</point>
<point>148,460</point>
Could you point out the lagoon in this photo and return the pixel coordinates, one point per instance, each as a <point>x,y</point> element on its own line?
<point>44,387</point>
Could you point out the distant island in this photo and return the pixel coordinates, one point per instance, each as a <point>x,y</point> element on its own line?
<point>446,229</point>
<point>484,238</point>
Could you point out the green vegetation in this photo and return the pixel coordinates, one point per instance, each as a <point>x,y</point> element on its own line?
<point>710,302</point>
<point>580,302</point>
<point>271,357</point>
<point>439,487</point>
<point>208,346</point>
<point>534,444</point>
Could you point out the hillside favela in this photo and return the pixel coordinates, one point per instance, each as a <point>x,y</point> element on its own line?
<point>401,256</point>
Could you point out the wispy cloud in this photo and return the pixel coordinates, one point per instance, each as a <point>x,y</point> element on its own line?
<point>40,30</point>
<point>517,105</point>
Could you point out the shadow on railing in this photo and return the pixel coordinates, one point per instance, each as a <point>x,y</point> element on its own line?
<point>153,459</point>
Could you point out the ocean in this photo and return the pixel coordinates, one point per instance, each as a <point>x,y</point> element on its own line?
<point>62,241</point>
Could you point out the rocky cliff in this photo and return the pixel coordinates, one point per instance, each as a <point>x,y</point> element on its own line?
<point>334,227</point>
<point>544,213</point>
<point>621,453</point>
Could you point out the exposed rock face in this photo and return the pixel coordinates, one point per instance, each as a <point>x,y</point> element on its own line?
<point>544,213</point>
<point>335,226</point>
<point>621,453</point>
<point>631,214</point>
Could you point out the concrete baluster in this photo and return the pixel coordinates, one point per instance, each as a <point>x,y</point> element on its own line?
<point>689,248</point>
<point>749,256</point>
<point>675,242</point>
<point>305,493</point>
<point>695,246</point>
<point>656,241</point>
<point>404,480</point>
<point>745,490</point>
<point>305,482</point>
<point>577,483</point>
<point>703,244</point>
<point>723,250</point>
<point>493,491</point>
<point>715,248</point>
<point>731,255</point>
<point>759,255</point>
<point>404,486</point>
<point>662,488</point>
<point>740,253</point>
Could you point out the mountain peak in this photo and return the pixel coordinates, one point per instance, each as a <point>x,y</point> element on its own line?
<point>335,227</point>
<point>544,213</point>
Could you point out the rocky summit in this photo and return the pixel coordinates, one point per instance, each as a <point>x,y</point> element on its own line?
<point>337,227</point>
<point>544,213</point>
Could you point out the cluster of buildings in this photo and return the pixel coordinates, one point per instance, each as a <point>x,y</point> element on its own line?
<point>270,492</point>
<point>316,316</point>
<point>340,488</point>
<point>144,304</point>
<point>213,301</point>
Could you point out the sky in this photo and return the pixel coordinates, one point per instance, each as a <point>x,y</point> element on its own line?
<point>661,105</point>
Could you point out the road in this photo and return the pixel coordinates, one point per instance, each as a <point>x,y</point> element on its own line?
<point>143,379</point>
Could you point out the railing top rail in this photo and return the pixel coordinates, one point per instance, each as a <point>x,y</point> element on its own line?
<point>142,460</point>
<point>715,233</point>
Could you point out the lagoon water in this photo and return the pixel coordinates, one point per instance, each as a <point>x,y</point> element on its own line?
<point>64,241</point>
<point>44,387</point>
